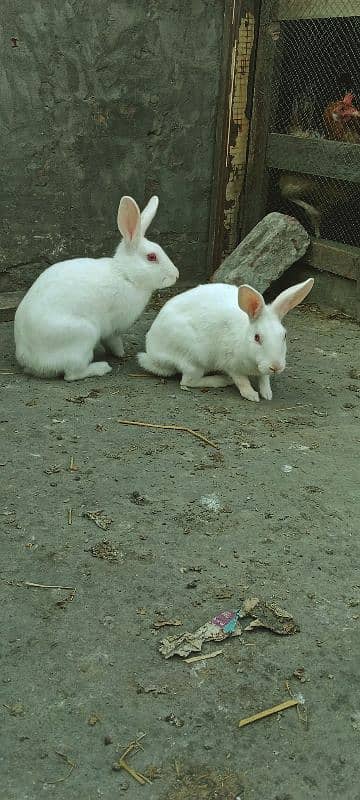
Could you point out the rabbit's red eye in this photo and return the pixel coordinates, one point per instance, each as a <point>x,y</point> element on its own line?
<point>257,338</point>
<point>151,257</point>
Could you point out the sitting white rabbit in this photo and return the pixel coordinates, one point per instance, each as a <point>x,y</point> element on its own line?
<point>75,305</point>
<point>222,328</point>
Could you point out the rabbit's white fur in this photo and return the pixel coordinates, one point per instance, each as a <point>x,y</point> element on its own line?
<point>75,305</point>
<point>220,328</point>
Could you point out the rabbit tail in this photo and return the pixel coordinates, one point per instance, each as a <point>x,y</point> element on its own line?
<point>158,367</point>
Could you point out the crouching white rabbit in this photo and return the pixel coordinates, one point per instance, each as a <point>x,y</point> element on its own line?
<point>222,328</point>
<point>75,305</point>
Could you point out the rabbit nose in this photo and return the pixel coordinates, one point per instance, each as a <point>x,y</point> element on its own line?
<point>275,368</point>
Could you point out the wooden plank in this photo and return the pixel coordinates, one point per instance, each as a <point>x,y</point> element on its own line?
<point>323,157</point>
<point>316,9</point>
<point>339,259</point>
<point>232,130</point>
<point>256,183</point>
<point>242,86</point>
<point>9,302</point>
<point>216,225</point>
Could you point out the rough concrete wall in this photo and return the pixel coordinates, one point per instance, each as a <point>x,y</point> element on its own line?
<point>100,99</point>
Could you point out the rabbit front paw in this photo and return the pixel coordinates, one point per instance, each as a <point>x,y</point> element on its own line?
<point>265,388</point>
<point>251,394</point>
<point>246,390</point>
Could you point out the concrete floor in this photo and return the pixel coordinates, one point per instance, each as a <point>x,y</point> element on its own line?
<point>272,512</point>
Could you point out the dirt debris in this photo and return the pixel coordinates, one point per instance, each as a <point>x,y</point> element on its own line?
<point>15,709</point>
<point>200,782</point>
<point>100,518</point>
<point>270,616</point>
<point>106,550</point>
<point>151,688</point>
<point>81,398</point>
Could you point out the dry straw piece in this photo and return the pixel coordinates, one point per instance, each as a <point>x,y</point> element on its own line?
<point>268,712</point>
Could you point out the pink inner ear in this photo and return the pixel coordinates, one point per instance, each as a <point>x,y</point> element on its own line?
<point>128,219</point>
<point>254,306</point>
<point>131,221</point>
<point>250,301</point>
<point>131,228</point>
<point>291,297</point>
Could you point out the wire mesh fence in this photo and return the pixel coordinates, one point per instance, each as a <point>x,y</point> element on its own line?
<point>316,95</point>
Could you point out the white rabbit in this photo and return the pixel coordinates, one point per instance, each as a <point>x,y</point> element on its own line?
<point>75,305</point>
<point>222,328</point>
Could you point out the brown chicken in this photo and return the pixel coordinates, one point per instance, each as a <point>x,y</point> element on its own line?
<point>316,196</point>
<point>342,120</point>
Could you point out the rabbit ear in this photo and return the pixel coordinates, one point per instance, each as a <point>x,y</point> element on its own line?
<point>250,301</point>
<point>128,220</point>
<point>291,297</point>
<point>148,214</point>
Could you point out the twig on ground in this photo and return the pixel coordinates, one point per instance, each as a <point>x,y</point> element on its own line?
<point>182,428</point>
<point>140,375</point>
<point>132,748</point>
<point>70,763</point>
<point>68,599</point>
<point>48,586</point>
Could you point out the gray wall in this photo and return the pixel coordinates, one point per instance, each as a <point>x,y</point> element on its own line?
<point>101,98</point>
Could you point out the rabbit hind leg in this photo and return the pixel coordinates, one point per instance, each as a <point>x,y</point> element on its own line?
<point>78,353</point>
<point>197,379</point>
<point>78,372</point>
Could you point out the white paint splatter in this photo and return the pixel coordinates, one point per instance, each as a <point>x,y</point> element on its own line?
<point>211,502</point>
<point>328,353</point>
